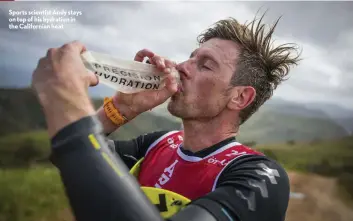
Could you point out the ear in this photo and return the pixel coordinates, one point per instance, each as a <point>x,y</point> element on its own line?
<point>241,97</point>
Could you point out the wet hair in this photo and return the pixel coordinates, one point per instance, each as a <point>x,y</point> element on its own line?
<point>260,64</point>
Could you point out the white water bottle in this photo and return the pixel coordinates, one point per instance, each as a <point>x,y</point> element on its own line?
<point>125,76</point>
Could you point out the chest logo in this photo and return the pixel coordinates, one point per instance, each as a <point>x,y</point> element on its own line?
<point>166,175</point>
<point>235,153</point>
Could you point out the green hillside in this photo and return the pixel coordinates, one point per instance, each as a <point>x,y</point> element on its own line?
<point>279,121</point>
<point>272,126</point>
<point>314,156</point>
<point>24,149</point>
<point>20,112</point>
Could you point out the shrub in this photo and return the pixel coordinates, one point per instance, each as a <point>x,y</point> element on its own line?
<point>291,142</point>
<point>23,150</point>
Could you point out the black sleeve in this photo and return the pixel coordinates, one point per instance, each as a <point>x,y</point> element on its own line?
<point>251,188</point>
<point>132,150</point>
<point>98,185</point>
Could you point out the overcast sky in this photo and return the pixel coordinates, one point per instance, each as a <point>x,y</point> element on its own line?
<point>324,30</point>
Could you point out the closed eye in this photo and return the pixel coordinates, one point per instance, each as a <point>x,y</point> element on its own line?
<point>204,66</point>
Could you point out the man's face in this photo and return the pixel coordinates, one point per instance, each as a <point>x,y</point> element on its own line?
<point>205,77</point>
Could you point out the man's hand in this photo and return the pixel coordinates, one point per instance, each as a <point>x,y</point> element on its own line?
<point>134,104</point>
<point>131,105</point>
<point>61,82</point>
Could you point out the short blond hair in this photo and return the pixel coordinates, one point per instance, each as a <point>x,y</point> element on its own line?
<point>260,65</point>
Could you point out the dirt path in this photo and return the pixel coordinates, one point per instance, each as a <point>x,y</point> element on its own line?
<point>320,202</point>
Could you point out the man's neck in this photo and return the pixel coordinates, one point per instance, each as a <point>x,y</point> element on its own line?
<point>199,135</point>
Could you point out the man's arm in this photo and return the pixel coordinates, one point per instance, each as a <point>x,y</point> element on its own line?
<point>98,185</point>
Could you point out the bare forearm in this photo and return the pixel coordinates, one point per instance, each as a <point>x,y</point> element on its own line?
<point>108,125</point>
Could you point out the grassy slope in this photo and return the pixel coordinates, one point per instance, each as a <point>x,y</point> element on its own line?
<point>20,112</point>
<point>21,149</point>
<point>305,156</point>
<point>268,126</point>
<point>31,195</point>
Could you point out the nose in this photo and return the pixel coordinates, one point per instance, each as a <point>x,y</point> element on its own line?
<point>184,69</point>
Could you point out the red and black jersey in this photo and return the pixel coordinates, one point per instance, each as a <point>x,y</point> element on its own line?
<point>166,166</point>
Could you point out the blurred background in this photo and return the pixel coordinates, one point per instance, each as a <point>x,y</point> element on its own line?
<point>307,126</point>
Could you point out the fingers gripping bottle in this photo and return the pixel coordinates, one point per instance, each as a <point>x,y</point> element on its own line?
<point>125,76</point>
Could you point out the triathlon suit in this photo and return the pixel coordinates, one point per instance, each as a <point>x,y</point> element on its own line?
<point>225,182</point>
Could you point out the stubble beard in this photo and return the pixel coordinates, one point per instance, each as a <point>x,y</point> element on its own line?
<point>176,107</point>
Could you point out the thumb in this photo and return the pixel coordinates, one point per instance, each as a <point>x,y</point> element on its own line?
<point>170,88</point>
<point>78,46</point>
<point>171,84</point>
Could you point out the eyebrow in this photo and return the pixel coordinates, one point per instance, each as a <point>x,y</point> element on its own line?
<point>207,56</point>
